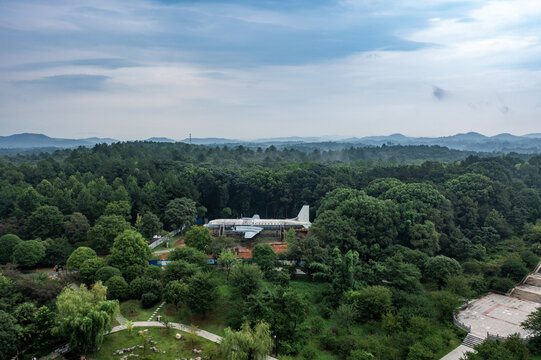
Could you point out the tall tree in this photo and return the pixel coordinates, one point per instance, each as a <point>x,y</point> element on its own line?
<point>75,228</point>
<point>128,249</point>
<point>46,221</point>
<point>29,200</point>
<point>88,270</point>
<point>85,315</point>
<point>28,253</point>
<point>7,245</point>
<point>8,336</point>
<point>201,293</point>
<point>226,261</point>
<point>248,343</point>
<point>79,256</point>
<point>180,213</point>
<point>198,237</point>
<point>106,229</point>
<point>149,225</point>
<point>246,279</point>
<point>266,258</point>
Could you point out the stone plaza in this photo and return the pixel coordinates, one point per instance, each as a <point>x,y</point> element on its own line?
<point>497,315</point>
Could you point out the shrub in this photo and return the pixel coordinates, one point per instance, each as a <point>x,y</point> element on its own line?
<point>88,270</point>
<point>360,355</point>
<point>7,245</point>
<point>419,351</point>
<point>459,285</point>
<point>57,251</point>
<point>329,341</point>
<point>440,268</point>
<point>529,258</point>
<point>153,286</point>
<point>136,288</point>
<point>502,284</point>
<point>28,253</point>
<point>189,254</point>
<point>153,272</point>
<point>133,271</point>
<point>513,268</point>
<point>370,302</point>
<point>316,325</point>
<point>117,288</point>
<point>434,342</point>
<point>309,353</point>
<point>148,300</point>
<point>446,304</point>
<point>472,267</point>
<point>79,256</point>
<point>419,326</point>
<point>346,344</point>
<point>198,237</point>
<point>106,272</point>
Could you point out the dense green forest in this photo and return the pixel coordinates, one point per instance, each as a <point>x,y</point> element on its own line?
<point>396,244</point>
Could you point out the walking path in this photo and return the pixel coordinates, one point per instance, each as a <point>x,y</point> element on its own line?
<point>156,311</point>
<point>457,353</point>
<point>202,333</point>
<point>121,319</point>
<point>163,251</point>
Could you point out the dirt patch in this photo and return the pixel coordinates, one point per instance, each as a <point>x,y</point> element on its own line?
<point>179,243</point>
<point>244,249</point>
<point>169,311</point>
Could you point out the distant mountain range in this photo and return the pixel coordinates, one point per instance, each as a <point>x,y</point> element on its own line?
<point>28,140</point>
<point>160,139</point>
<point>472,141</point>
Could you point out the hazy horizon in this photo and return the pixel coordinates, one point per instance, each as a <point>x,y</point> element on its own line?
<point>336,138</point>
<point>243,70</point>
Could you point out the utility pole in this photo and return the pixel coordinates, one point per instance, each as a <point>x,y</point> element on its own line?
<point>190,138</point>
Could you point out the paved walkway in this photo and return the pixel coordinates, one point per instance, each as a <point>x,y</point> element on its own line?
<point>202,333</point>
<point>457,353</point>
<point>496,314</point>
<point>163,251</point>
<point>156,311</point>
<point>121,319</point>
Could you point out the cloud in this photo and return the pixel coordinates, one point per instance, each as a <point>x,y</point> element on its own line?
<point>219,75</point>
<point>242,68</point>
<point>111,63</point>
<point>72,82</point>
<point>439,93</point>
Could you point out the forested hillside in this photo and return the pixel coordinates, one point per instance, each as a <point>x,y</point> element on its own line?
<point>392,251</point>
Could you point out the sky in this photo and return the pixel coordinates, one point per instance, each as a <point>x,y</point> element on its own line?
<point>248,69</point>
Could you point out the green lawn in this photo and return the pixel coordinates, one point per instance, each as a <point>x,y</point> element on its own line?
<point>132,310</point>
<point>213,322</point>
<point>171,242</point>
<point>165,342</point>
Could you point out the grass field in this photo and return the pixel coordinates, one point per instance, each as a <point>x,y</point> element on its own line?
<point>132,310</point>
<point>171,242</point>
<point>213,322</point>
<point>165,342</point>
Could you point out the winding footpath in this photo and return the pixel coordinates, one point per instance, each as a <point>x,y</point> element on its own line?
<point>202,333</point>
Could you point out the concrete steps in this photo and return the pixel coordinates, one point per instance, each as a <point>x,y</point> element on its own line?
<point>533,280</point>
<point>527,292</point>
<point>472,340</point>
